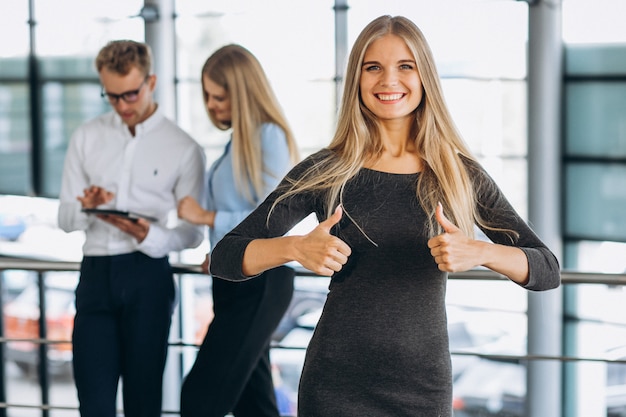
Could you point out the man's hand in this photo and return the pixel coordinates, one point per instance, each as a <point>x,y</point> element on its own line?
<point>95,196</point>
<point>137,228</point>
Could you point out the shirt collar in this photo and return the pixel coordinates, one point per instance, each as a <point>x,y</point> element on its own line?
<point>147,125</point>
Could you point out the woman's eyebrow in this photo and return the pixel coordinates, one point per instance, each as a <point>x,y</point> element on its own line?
<point>401,61</point>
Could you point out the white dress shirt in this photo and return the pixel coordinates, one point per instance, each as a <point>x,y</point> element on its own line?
<point>148,173</point>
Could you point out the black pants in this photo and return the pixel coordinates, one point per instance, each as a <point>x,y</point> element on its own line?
<point>124,306</point>
<point>232,371</point>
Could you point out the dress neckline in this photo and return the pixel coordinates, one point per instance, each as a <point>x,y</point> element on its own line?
<point>390,173</point>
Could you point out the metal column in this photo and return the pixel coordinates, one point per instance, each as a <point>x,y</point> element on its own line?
<point>160,35</point>
<point>544,380</point>
<point>341,47</point>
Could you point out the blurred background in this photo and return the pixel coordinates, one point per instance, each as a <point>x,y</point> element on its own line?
<point>537,88</point>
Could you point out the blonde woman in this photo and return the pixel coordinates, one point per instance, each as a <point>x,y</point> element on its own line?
<point>232,371</point>
<point>397,193</point>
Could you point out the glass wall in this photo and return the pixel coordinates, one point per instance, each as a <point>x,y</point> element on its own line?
<point>294,43</point>
<point>594,201</point>
<point>48,86</point>
<point>15,146</point>
<point>48,83</point>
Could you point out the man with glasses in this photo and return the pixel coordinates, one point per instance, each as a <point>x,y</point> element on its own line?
<point>135,165</point>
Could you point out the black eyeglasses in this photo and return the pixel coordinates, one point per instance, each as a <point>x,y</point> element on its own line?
<point>128,96</point>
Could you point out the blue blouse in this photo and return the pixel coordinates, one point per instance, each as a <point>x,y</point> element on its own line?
<point>230,206</point>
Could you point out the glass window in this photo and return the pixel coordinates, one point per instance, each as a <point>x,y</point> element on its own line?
<point>594,22</point>
<point>66,57</point>
<point>15,144</point>
<point>69,94</point>
<point>491,116</point>
<point>595,200</point>
<point>28,229</point>
<point>66,106</point>
<point>594,34</point>
<point>293,42</point>
<point>595,120</point>
<point>21,321</point>
<point>14,108</point>
<point>595,60</point>
<point>93,24</point>
<point>490,44</point>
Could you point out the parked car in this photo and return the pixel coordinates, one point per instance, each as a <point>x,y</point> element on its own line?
<point>287,355</point>
<point>490,388</point>
<point>616,400</point>
<point>21,315</point>
<point>309,296</point>
<point>21,321</point>
<point>497,388</point>
<point>14,282</point>
<point>474,331</point>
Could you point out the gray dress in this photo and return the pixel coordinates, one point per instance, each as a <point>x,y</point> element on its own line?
<point>381,345</point>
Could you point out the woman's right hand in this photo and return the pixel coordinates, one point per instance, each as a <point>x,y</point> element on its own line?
<point>190,210</point>
<point>320,251</point>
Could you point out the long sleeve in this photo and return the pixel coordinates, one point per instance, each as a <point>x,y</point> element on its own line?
<point>147,173</point>
<point>498,212</point>
<point>74,181</point>
<point>162,240</point>
<point>230,207</point>
<point>227,256</point>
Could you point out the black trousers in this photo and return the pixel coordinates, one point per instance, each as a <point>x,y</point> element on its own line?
<point>232,371</point>
<point>124,306</point>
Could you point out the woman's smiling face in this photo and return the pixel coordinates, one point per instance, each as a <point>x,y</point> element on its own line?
<point>217,100</point>
<point>390,85</point>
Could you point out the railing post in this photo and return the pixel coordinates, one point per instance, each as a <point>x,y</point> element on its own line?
<point>42,368</point>
<point>3,374</point>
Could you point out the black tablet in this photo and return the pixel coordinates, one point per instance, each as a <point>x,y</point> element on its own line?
<point>127,214</point>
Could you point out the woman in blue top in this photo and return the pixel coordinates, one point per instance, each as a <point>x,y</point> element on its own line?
<point>232,370</point>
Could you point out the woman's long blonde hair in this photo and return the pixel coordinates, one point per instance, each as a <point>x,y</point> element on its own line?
<point>253,102</point>
<point>444,177</point>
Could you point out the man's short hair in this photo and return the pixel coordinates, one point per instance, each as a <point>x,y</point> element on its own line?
<point>121,56</point>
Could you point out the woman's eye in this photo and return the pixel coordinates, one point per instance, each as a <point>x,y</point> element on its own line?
<point>406,66</point>
<point>372,68</point>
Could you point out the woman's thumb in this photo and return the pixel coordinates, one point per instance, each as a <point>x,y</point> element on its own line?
<point>334,219</point>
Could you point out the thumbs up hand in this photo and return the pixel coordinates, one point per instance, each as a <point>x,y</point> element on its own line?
<point>453,250</point>
<point>321,252</point>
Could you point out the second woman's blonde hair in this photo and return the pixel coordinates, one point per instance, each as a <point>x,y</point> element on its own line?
<point>253,103</point>
<point>444,177</point>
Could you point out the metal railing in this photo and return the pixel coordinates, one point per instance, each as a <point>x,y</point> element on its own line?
<point>41,266</point>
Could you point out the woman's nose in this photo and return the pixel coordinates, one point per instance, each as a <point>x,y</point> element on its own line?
<point>389,79</point>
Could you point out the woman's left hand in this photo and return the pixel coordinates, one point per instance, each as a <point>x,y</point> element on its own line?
<point>453,250</point>
<point>206,264</point>
<point>189,209</point>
